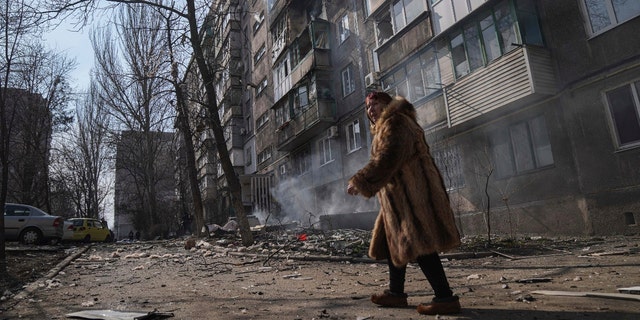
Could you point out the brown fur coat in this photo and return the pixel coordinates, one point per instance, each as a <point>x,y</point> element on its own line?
<point>415,216</point>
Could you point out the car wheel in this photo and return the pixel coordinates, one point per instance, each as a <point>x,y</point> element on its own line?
<point>31,236</point>
<point>87,239</point>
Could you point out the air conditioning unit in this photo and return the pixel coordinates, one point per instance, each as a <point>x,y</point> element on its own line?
<point>332,132</point>
<point>370,80</point>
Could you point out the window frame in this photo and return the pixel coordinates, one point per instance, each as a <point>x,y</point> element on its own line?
<point>509,156</point>
<point>354,136</point>
<point>325,151</point>
<point>344,30</point>
<point>611,15</point>
<point>634,92</point>
<point>348,80</point>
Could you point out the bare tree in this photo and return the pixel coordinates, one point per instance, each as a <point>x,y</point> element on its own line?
<point>83,159</point>
<point>190,14</point>
<point>183,123</point>
<point>131,67</point>
<point>42,74</point>
<point>34,77</point>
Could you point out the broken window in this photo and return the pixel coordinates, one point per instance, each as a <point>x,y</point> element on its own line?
<point>449,163</point>
<point>343,28</point>
<point>624,108</point>
<point>320,35</point>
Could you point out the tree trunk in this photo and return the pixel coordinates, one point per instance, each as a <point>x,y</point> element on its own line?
<point>216,126</point>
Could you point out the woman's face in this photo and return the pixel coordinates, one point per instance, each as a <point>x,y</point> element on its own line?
<point>374,109</point>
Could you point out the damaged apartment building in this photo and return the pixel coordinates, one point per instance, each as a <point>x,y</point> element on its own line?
<point>531,108</point>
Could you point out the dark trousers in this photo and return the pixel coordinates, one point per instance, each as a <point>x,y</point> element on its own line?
<point>431,266</point>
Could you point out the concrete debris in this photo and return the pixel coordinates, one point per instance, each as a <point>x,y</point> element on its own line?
<point>630,290</point>
<point>118,315</point>
<point>534,280</point>
<point>525,298</point>
<point>620,296</point>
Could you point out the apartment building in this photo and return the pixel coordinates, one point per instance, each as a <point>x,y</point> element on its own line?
<point>531,107</point>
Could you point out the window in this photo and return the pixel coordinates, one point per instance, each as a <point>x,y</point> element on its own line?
<point>354,140</point>
<point>300,99</point>
<point>262,120</point>
<point>348,81</point>
<point>264,155</point>
<point>459,55</point>
<point>449,162</point>
<point>624,108</point>
<point>490,40</point>
<point>417,79</point>
<point>258,56</point>
<point>261,86</point>
<point>405,11</point>
<point>522,147</point>
<point>603,15</point>
<point>324,148</point>
<point>271,4</point>
<point>302,161</point>
<point>495,32</point>
<point>259,19</point>
<point>343,28</point>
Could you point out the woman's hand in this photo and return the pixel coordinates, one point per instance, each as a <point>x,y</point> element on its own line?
<point>351,189</point>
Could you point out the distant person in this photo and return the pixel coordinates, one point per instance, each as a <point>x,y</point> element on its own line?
<point>415,221</point>
<point>131,235</point>
<point>138,235</point>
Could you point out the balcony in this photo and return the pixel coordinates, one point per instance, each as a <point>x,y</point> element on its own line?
<point>313,60</point>
<point>309,123</point>
<point>520,77</point>
<point>400,45</point>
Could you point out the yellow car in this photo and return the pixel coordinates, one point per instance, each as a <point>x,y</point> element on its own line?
<point>88,229</point>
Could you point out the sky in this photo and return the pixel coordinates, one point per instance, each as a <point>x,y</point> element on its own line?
<point>76,45</point>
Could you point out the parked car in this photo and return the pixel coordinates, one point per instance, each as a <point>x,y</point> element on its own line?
<point>68,231</point>
<point>31,225</point>
<point>89,229</point>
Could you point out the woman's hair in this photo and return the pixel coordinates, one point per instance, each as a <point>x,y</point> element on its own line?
<point>379,96</point>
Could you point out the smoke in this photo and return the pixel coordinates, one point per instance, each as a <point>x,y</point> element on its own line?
<point>304,204</point>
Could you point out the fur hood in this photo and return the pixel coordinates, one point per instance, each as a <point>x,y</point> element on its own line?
<point>415,216</point>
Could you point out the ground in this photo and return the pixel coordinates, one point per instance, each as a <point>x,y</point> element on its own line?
<point>325,276</point>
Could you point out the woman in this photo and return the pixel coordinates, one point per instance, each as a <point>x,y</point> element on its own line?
<point>415,220</point>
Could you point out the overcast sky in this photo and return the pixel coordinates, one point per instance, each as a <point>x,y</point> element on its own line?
<point>75,45</point>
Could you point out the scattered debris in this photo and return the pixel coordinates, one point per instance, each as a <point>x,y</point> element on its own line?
<point>620,296</point>
<point>525,298</point>
<point>630,290</point>
<point>533,280</point>
<point>119,315</point>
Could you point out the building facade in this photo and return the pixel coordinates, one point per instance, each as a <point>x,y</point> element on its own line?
<point>531,108</point>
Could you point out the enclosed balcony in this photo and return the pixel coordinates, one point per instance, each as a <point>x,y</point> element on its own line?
<point>523,76</point>
<point>312,121</point>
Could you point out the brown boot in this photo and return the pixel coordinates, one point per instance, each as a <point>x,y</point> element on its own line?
<point>442,306</point>
<point>390,299</point>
